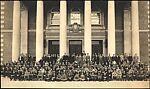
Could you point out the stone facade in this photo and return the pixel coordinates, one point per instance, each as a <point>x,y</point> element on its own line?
<point>53,32</point>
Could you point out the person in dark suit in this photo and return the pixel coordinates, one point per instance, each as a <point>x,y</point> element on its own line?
<point>21,58</point>
<point>80,60</point>
<point>83,53</point>
<point>76,77</point>
<point>113,57</point>
<point>118,59</point>
<point>65,59</point>
<point>103,60</point>
<point>97,59</point>
<point>130,59</point>
<point>82,77</point>
<point>87,58</point>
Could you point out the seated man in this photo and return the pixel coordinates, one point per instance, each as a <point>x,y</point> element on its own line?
<point>124,75</point>
<point>130,74</point>
<point>48,76</point>
<point>58,77</point>
<point>53,76</point>
<point>13,74</point>
<point>87,76</point>
<point>114,75</point>
<point>70,75</point>
<point>31,75</point>
<point>119,73</point>
<point>109,75</point>
<point>20,74</point>
<point>26,75</point>
<point>41,74</point>
<point>34,73</point>
<point>93,76</point>
<point>46,64</point>
<point>2,70</point>
<point>141,75</point>
<point>135,75</point>
<point>9,70</point>
<point>94,70</point>
<point>82,77</point>
<point>99,75</point>
<point>76,77</point>
<point>64,76</point>
<point>86,69</point>
<point>148,75</point>
<point>104,75</point>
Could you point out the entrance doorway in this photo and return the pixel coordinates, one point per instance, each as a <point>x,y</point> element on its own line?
<point>97,46</point>
<point>53,47</point>
<point>75,46</point>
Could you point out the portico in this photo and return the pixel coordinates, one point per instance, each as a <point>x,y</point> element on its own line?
<point>106,28</point>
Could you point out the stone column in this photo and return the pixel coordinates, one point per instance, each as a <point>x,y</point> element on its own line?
<point>127,32</point>
<point>39,31</point>
<point>135,28</point>
<point>63,28</point>
<point>24,31</point>
<point>111,27</point>
<point>16,31</point>
<point>87,27</point>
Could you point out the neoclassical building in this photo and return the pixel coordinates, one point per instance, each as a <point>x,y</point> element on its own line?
<point>72,26</point>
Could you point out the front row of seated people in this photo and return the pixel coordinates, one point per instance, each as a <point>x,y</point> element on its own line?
<point>76,68</point>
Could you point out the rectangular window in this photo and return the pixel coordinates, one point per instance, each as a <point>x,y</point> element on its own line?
<point>96,18</point>
<point>75,18</point>
<point>55,18</point>
<point>75,46</point>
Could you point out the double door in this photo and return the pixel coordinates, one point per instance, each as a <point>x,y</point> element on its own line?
<point>75,46</point>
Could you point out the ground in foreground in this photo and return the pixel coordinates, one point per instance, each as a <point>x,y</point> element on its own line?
<point>6,83</point>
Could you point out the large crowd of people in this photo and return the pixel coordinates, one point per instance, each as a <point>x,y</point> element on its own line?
<point>77,67</point>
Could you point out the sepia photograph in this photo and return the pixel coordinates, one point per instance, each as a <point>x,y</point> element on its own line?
<point>75,44</point>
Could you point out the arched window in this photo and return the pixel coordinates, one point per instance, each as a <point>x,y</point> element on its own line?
<point>54,16</point>
<point>75,16</point>
<point>96,18</point>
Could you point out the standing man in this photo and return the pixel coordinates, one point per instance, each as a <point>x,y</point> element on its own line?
<point>136,58</point>
<point>87,58</point>
<point>130,59</point>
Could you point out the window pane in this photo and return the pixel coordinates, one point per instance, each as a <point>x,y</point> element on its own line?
<point>95,18</point>
<point>75,18</point>
<point>55,18</point>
